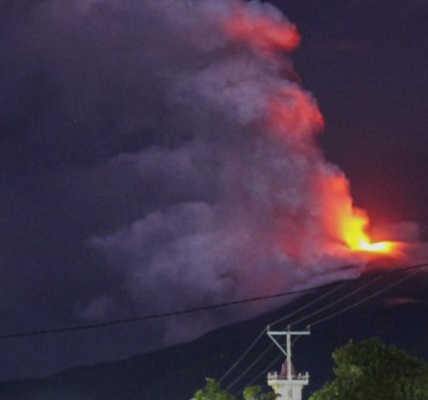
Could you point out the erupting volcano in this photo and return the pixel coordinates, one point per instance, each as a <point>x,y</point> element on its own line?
<point>292,113</point>
<point>244,192</point>
<point>164,155</point>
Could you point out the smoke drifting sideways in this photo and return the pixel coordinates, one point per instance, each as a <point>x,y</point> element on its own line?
<point>182,151</point>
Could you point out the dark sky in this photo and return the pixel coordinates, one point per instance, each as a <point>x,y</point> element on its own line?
<point>133,179</point>
<point>371,85</point>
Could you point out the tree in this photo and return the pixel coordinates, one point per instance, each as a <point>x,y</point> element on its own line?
<point>371,370</point>
<point>212,391</point>
<point>255,393</point>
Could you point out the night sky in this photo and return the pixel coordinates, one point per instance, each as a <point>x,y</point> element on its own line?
<point>136,176</point>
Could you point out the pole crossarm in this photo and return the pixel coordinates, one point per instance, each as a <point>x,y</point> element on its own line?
<point>284,333</point>
<point>274,335</point>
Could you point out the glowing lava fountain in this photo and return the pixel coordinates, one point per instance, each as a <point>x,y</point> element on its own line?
<point>355,234</point>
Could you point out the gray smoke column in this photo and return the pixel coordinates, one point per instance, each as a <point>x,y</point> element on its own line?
<point>243,202</point>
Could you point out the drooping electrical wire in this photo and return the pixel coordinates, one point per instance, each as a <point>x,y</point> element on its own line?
<point>178,313</point>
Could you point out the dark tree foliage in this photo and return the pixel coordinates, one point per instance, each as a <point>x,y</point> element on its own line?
<point>213,391</point>
<point>255,393</point>
<point>371,370</point>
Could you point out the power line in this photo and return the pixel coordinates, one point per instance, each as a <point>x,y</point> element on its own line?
<point>304,307</point>
<point>288,316</point>
<point>373,278</point>
<point>340,300</point>
<point>366,299</point>
<point>260,374</point>
<point>256,360</point>
<point>305,317</point>
<point>150,317</point>
<point>326,318</point>
<point>264,370</point>
<point>235,364</point>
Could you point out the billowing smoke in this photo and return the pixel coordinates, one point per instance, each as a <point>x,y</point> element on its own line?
<point>167,159</point>
<point>246,205</point>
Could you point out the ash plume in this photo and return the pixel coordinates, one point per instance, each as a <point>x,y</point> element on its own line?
<point>248,198</point>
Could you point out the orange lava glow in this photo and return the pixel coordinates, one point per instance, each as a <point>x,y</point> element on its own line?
<point>344,221</point>
<point>261,32</point>
<point>356,237</point>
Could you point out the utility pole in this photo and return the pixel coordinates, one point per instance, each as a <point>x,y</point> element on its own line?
<point>287,384</point>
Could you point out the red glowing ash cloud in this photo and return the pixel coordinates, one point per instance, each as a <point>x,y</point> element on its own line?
<point>262,32</point>
<point>293,107</point>
<point>293,117</point>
